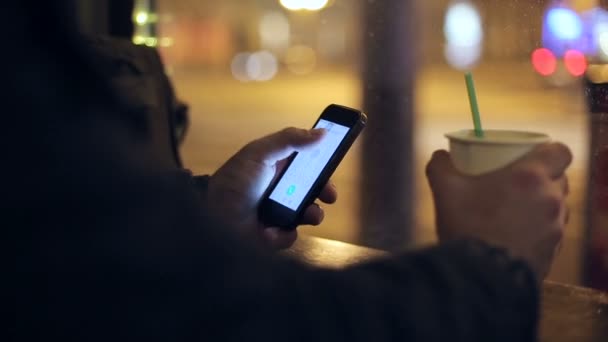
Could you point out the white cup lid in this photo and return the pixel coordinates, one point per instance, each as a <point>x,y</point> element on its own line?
<point>499,137</point>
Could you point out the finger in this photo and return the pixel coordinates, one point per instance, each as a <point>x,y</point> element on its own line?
<point>440,169</point>
<point>555,157</point>
<point>329,194</point>
<point>279,167</point>
<point>313,215</point>
<point>278,146</point>
<point>277,238</point>
<point>281,164</point>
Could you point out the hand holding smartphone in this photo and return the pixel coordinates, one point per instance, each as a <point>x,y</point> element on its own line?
<point>308,171</point>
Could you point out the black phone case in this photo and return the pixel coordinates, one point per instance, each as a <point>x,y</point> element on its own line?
<point>323,178</point>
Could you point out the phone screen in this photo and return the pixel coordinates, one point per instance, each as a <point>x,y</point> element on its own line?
<point>307,166</point>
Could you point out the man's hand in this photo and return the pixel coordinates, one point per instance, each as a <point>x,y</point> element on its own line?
<point>520,207</point>
<point>236,189</point>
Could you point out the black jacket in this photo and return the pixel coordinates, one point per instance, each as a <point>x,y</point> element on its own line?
<point>107,237</point>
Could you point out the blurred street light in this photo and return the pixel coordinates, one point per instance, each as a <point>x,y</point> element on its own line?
<point>563,23</point>
<point>576,62</point>
<point>274,31</point>
<point>463,34</point>
<point>595,22</point>
<point>562,30</point>
<point>258,66</point>
<point>141,18</point>
<point>304,5</point>
<point>544,62</point>
<point>262,66</point>
<point>146,21</point>
<point>463,25</point>
<point>239,67</point>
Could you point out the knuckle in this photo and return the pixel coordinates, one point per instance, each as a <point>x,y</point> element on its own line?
<point>252,147</point>
<point>563,151</point>
<point>554,204</point>
<point>428,170</point>
<point>438,154</point>
<point>531,176</point>
<point>292,135</point>
<point>436,157</point>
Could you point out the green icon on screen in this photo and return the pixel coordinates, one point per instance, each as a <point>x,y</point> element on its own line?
<point>291,190</point>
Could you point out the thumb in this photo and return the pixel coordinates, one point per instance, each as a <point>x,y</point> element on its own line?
<point>278,146</point>
<point>441,170</point>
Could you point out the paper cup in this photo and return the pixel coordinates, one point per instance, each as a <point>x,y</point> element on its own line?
<point>497,149</point>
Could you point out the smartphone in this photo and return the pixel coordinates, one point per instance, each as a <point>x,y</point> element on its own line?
<point>307,172</point>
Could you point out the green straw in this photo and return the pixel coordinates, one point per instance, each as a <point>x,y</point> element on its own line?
<point>474,106</point>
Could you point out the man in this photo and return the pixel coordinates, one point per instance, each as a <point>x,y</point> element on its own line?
<point>113,242</point>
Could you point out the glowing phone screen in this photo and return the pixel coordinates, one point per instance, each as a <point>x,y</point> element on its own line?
<point>307,166</point>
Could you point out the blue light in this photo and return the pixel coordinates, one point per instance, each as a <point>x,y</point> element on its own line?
<point>564,23</point>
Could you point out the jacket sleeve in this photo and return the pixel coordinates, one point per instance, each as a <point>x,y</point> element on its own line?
<point>201,183</point>
<point>463,291</point>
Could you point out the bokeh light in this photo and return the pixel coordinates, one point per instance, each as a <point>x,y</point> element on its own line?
<point>463,33</point>
<point>598,19</point>
<point>261,66</point>
<point>463,25</point>
<point>544,61</point>
<point>258,66</point>
<point>308,5</point>
<point>576,62</point>
<point>564,23</point>
<point>166,42</point>
<point>596,24</point>
<point>141,18</point>
<point>239,67</point>
<point>274,31</point>
<point>603,42</point>
<point>462,57</point>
